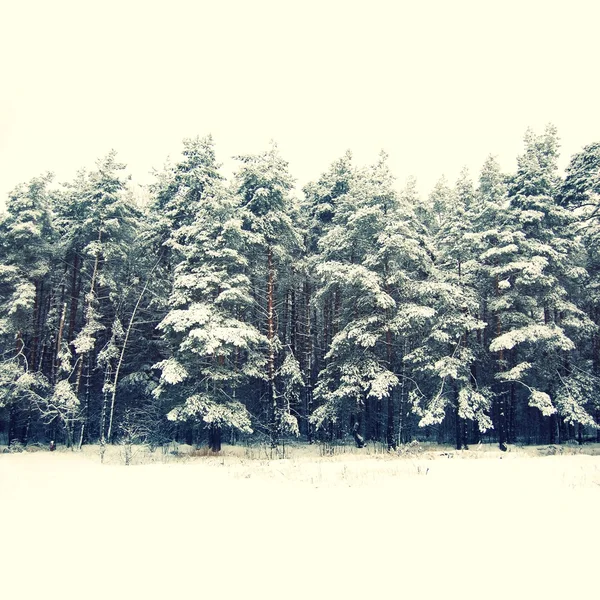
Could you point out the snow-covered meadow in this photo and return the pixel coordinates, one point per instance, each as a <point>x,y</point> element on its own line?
<point>477,525</point>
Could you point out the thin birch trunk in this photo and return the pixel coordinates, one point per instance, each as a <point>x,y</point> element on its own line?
<point>271,337</point>
<point>122,355</point>
<point>59,337</point>
<point>89,305</point>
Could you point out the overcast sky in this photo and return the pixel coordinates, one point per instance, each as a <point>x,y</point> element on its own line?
<point>437,84</point>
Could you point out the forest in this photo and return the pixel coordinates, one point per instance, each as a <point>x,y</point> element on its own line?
<point>236,310</point>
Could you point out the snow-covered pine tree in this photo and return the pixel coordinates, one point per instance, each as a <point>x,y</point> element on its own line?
<point>532,268</point>
<point>447,354</point>
<point>317,325</point>
<point>263,187</point>
<point>372,261</point>
<point>215,348</point>
<point>176,197</point>
<point>27,250</point>
<point>97,220</point>
<point>580,192</point>
<point>26,257</point>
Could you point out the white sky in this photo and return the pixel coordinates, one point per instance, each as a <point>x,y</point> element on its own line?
<point>437,84</point>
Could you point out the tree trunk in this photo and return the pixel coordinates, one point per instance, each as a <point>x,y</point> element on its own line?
<point>359,440</point>
<point>59,337</point>
<point>11,426</point>
<point>502,437</point>
<point>368,419</point>
<point>39,286</point>
<point>75,291</point>
<point>214,438</point>
<point>390,429</point>
<point>402,416</point>
<point>512,415</point>
<point>271,396</point>
<point>306,340</point>
<point>90,301</point>
<point>555,437</point>
<point>460,424</point>
<point>122,354</point>
<point>501,394</point>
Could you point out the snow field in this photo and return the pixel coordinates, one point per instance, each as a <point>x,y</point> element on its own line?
<point>516,527</point>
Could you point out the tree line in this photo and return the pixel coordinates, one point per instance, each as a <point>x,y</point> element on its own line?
<point>226,310</point>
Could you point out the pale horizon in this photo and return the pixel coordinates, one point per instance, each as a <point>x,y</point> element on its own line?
<point>438,86</point>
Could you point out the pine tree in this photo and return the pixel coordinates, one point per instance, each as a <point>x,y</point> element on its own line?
<point>580,192</point>
<point>26,257</point>
<point>449,352</point>
<point>263,186</point>
<point>215,350</point>
<point>536,323</point>
<point>97,219</point>
<point>320,323</point>
<point>372,260</point>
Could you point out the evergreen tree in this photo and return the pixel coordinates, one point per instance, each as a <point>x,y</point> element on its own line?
<point>26,235</point>
<point>96,219</point>
<point>263,187</point>
<point>580,192</point>
<point>449,353</point>
<point>372,261</point>
<point>214,348</point>
<point>536,323</point>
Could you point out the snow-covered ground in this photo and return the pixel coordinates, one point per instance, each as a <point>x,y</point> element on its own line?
<point>352,526</point>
